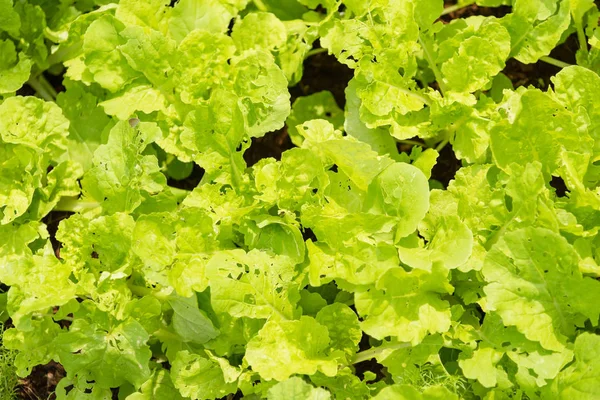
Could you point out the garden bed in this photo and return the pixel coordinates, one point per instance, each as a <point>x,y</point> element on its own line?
<point>210,207</point>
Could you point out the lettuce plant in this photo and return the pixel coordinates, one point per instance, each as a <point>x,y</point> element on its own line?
<point>341,270</point>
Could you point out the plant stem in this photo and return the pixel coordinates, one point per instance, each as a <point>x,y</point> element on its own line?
<point>42,79</point>
<point>41,89</point>
<point>411,142</point>
<point>142,291</point>
<point>442,144</point>
<point>451,9</point>
<point>583,45</point>
<point>73,204</point>
<point>555,62</point>
<point>314,52</point>
<point>64,54</point>
<point>260,5</point>
<point>374,352</point>
<point>52,35</point>
<point>180,193</point>
<point>433,65</point>
<point>65,318</point>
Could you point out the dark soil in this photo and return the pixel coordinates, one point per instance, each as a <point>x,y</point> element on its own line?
<point>190,182</point>
<point>40,385</point>
<point>445,168</point>
<point>539,74</point>
<point>273,144</point>
<point>321,72</point>
<point>52,221</point>
<point>473,10</point>
<point>370,365</point>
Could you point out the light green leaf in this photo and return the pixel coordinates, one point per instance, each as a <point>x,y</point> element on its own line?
<point>284,348</point>
<point>379,139</point>
<point>534,284</point>
<point>153,241</point>
<point>34,123</point>
<point>32,291</point>
<point>273,234</point>
<point>319,105</point>
<point>343,326</point>
<point>262,88</point>
<point>316,131</point>
<point>15,253</point>
<point>152,14</point>
<point>87,122</point>
<point>259,30</point>
<point>407,392</point>
<point>10,21</point>
<point>296,389</point>
<point>535,28</point>
<point>405,361</point>
<point>405,305</point>
<point>31,35</point>
<point>291,55</point>
<point>14,67</point>
<point>62,181</point>
<point>311,302</point>
<point>79,388</point>
<point>284,9</point>
<point>207,15</point>
<point>498,344</point>
<point>449,242</point>
<point>356,263</point>
<point>478,202</point>
<point>253,285</point>
<point>35,345</point>
<point>579,8</point>
<point>101,244</point>
<point>151,53</point>
<point>121,173</point>
<point>110,356</point>
<point>198,52</point>
<point>159,386</point>
<point>107,66</point>
<point>343,385</point>
<point>576,88</point>
<point>388,98</point>
<point>299,179</point>
<point>189,322</point>
<point>550,129</point>
<point>214,137</point>
<point>200,377</point>
<point>580,381</point>
<point>32,139</point>
<point>402,191</point>
<point>144,98</point>
<point>359,162</point>
<point>482,366</point>
<point>472,51</point>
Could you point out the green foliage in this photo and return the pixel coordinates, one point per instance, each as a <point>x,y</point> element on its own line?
<point>8,372</point>
<point>280,280</point>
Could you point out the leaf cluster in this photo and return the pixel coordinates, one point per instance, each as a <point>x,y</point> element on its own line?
<point>283,279</point>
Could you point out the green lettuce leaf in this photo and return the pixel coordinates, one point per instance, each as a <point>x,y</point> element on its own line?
<point>304,343</point>
<point>296,389</point>
<point>121,174</point>
<point>580,380</point>
<point>407,311</point>
<point>534,284</point>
